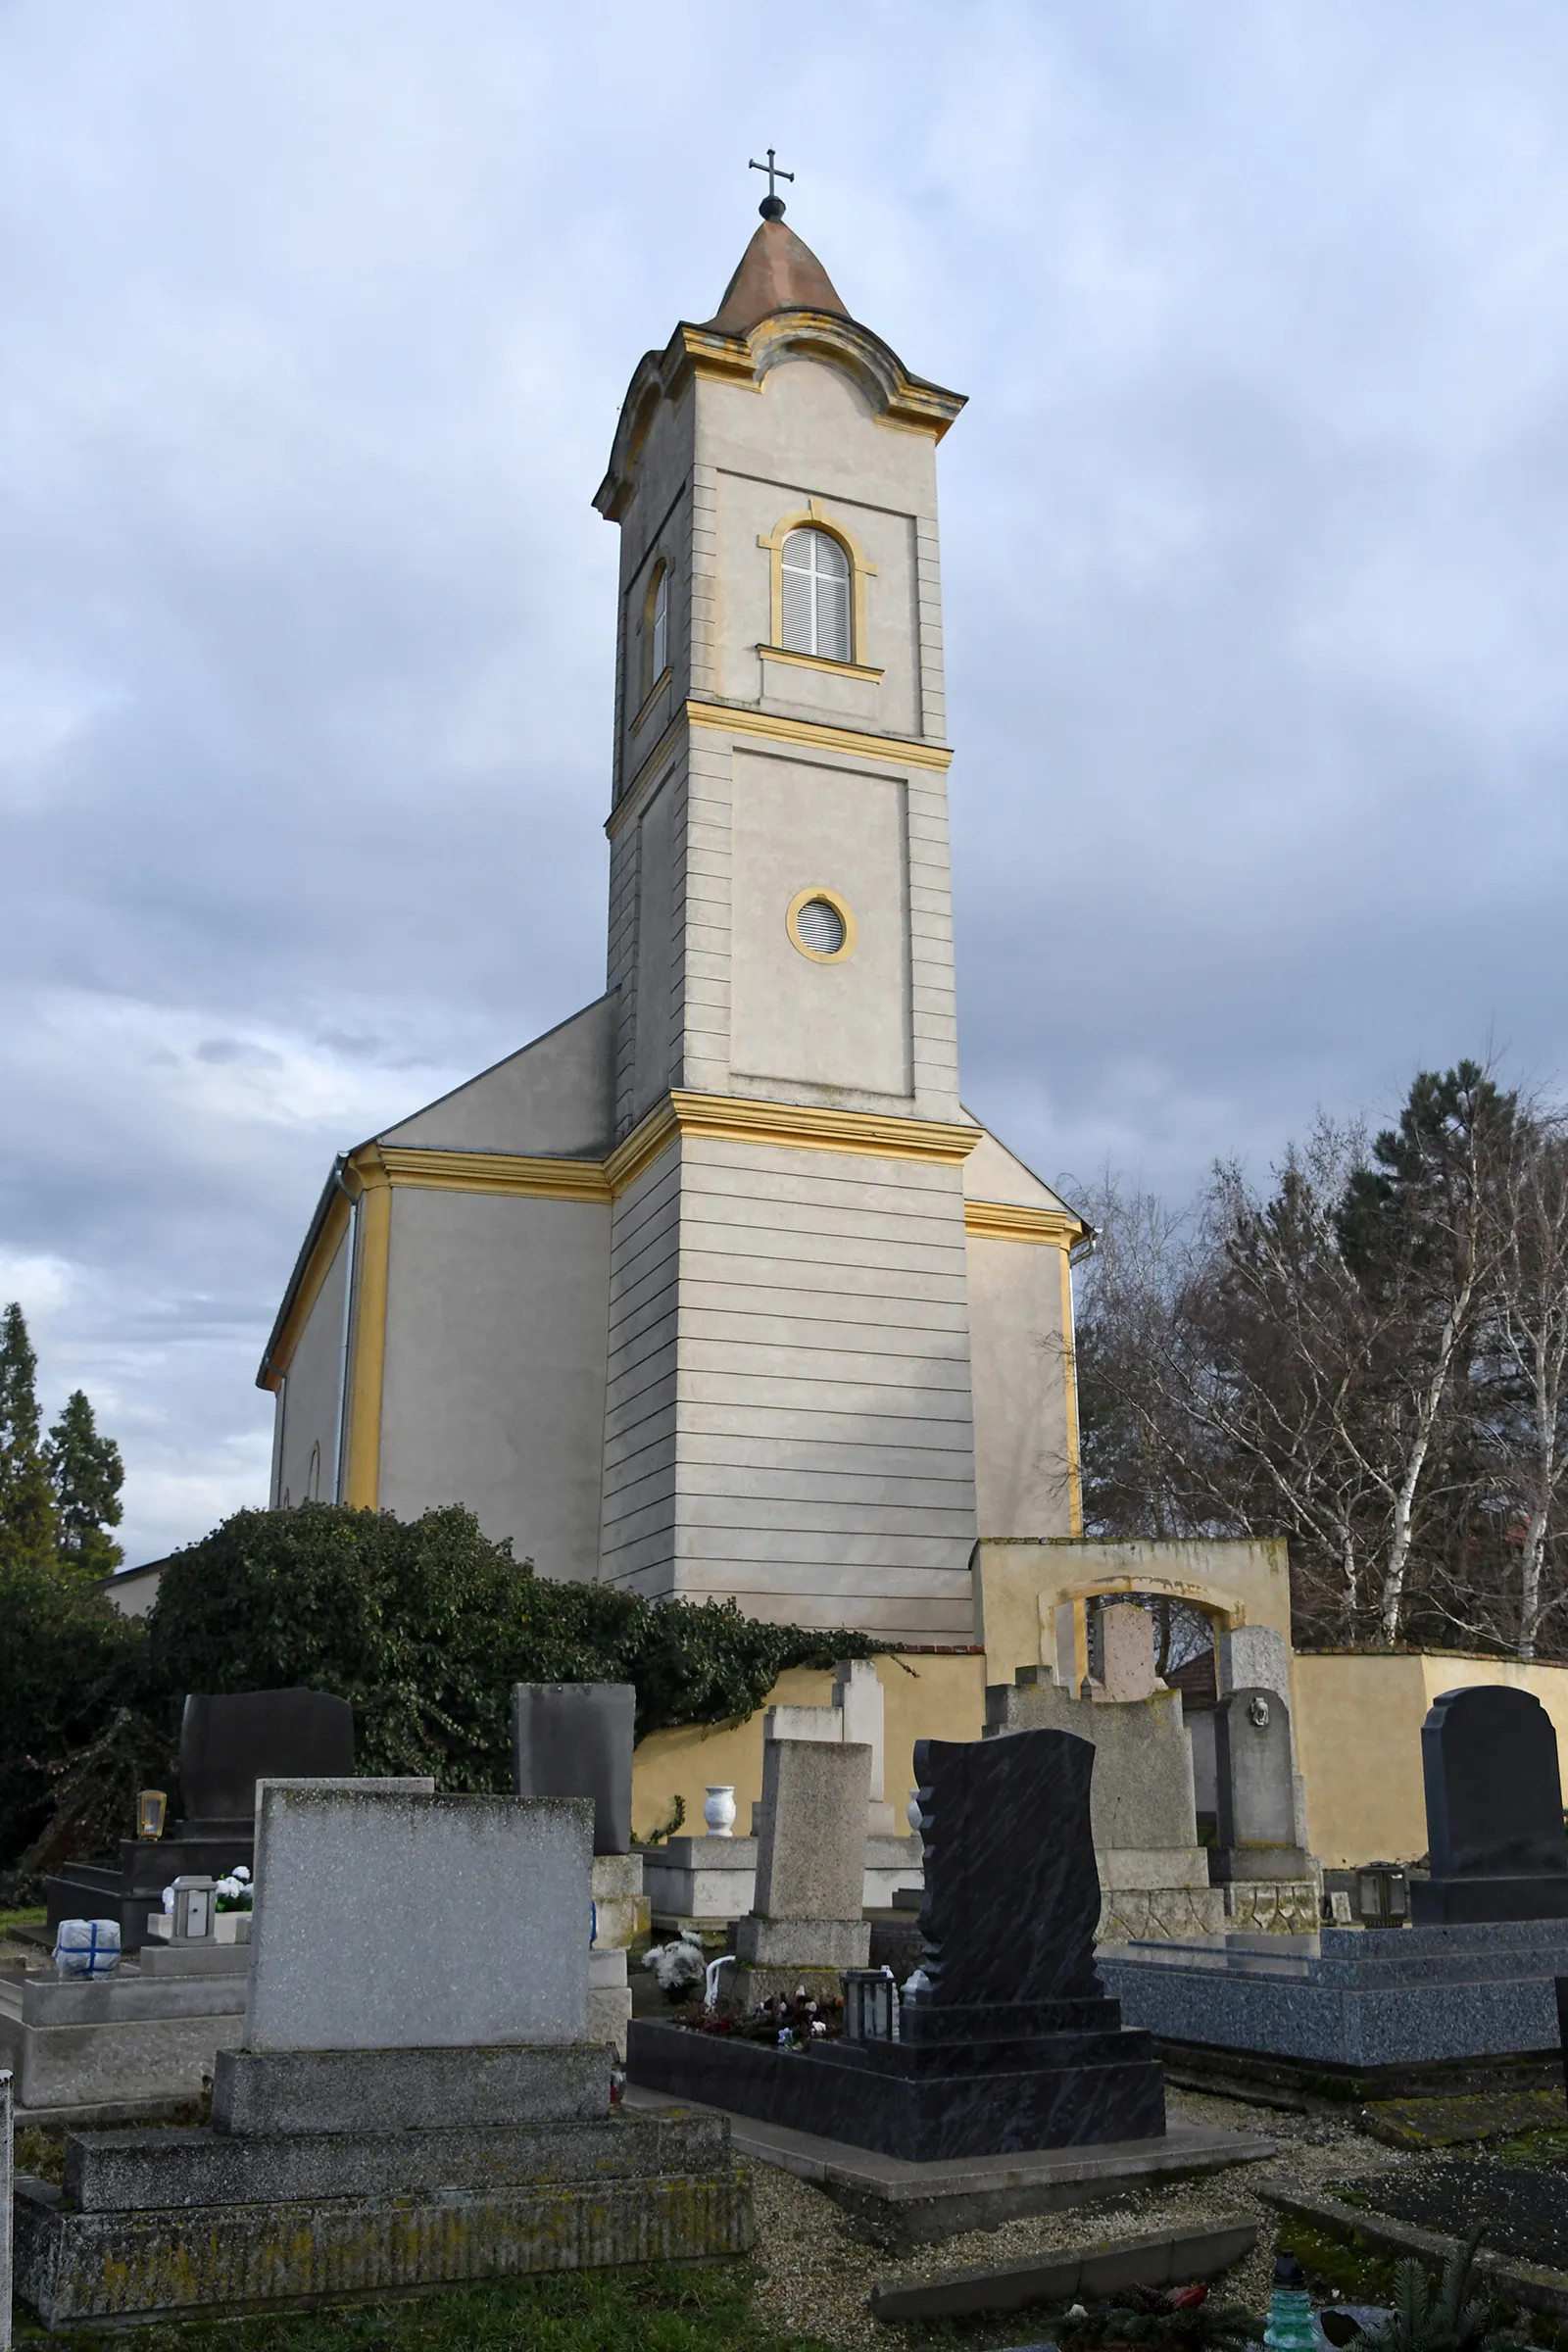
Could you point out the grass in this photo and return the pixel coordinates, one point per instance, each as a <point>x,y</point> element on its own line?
<point>653,2310</point>
<point>33,1918</point>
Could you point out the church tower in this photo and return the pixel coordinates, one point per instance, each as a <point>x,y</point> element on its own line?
<point>714,1290</point>
<point>789,1403</point>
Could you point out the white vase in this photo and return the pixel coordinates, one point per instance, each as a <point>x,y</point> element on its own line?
<point>719,1811</point>
<point>911,1812</point>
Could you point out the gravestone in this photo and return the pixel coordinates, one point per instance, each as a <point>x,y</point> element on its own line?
<point>1255,1657</point>
<point>229,1741</point>
<point>806,1915</point>
<point>1154,1874</point>
<point>1126,1653</point>
<point>414,2104</point>
<point>1256,1791</point>
<point>576,1739</point>
<point>855,1716</point>
<point>1494,1826</point>
<point>1007,2039</point>
<point>5,2210</point>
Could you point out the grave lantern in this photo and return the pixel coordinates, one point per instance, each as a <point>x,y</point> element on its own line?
<point>193,1909</point>
<point>870,2005</point>
<point>151,1806</point>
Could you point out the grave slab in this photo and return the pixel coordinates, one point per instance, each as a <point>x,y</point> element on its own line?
<point>1151,2258</point>
<point>899,2203</point>
<point>1350,1997</point>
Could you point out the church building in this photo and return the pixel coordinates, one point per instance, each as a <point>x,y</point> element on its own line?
<point>716,1289</point>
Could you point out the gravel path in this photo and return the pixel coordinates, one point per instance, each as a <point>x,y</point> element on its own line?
<point>817,2275</point>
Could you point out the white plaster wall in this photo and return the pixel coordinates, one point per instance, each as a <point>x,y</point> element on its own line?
<point>493,1394</point>
<point>1021,1394</point>
<point>552,1100</point>
<point>312,1392</point>
<point>843,1027</point>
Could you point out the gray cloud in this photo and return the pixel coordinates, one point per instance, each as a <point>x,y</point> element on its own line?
<point>1256,577</point>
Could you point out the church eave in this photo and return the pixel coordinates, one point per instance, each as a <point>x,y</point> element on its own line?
<point>896,397</point>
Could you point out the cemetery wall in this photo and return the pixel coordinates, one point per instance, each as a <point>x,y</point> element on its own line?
<point>1031,1594</point>
<point>926,1696</point>
<point>1358,1717</point>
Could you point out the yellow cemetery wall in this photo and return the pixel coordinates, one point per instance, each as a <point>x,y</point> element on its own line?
<point>1358,1717</point>
<point>1031,1591</point>
<point>925,1697</point>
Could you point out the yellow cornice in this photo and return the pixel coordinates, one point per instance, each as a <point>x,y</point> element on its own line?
<point>495,1172</point>
<point>1012,1221</point>
<point>740,719</point>
<point>792,1126</point>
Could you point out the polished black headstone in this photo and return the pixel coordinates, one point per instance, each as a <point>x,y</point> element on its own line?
<point>228,1743</point>
<point>576,1739</point>
<point>1010,2042</point>
<point>1012,1890</point>
<point>229,1740</point>
<point>1495,1826</point>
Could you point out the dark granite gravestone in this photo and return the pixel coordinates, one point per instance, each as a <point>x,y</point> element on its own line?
<point>1256,1790</point>
<point>1495,1828</point>
<point>1010,2042</point>
<point>576,1739</point>
<point>227,1741</point>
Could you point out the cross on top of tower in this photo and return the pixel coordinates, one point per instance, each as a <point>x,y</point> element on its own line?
<point>771,207</point>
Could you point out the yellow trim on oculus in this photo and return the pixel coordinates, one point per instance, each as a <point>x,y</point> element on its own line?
<point>742,720</point>
<point>820,892</point>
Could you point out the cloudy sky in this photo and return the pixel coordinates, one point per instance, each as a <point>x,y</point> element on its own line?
<point>317,319</point>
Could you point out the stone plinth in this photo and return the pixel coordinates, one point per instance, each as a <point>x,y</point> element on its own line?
<point>1010,2042</point>
<point>1154,1874</point>
<point>1350,1997</point>
<point>436,2154</point>
<point>809,1868</point>
<point>617,1884</point>
<point>699,1881</point>
<point>135,2038</point>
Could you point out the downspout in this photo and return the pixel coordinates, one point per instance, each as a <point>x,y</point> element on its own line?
<point>351,1244</point>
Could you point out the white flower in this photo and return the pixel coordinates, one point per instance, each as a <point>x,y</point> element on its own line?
<point>240,1871</point>
<point>228,1887</point>
<point>168,1898</point>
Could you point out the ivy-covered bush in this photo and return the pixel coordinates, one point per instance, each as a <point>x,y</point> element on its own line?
<point>424,1628</point>
<point>69,1664</point>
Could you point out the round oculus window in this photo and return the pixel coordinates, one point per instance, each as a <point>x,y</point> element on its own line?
<point>821,925</point>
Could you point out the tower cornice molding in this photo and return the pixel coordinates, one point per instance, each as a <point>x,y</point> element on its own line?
<point>906,402</point>
<point>793,1126</point>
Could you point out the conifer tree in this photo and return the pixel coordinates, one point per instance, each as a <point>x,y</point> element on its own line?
<point>87,1474</point>
<point>26,1497</point>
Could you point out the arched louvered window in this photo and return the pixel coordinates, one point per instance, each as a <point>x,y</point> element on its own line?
<point>816,596</point>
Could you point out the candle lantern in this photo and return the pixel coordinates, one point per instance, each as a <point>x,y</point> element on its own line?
<point>193,1910</point>
<point>151,1806</point>
<point>870,2005</point>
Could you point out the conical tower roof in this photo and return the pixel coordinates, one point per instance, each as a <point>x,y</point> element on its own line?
<point>777,273</point>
